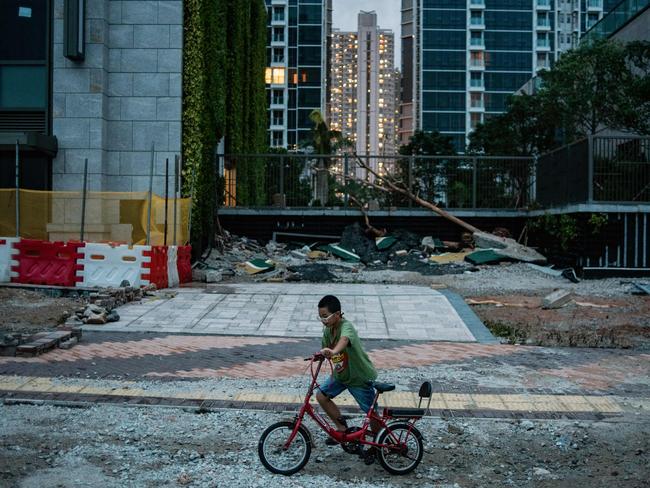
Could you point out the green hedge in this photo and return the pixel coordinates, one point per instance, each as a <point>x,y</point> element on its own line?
<point>224,57</point>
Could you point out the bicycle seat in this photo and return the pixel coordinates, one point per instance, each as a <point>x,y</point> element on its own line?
<point>382,387</point>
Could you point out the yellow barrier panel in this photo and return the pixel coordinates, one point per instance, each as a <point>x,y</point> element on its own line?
<point>109,216</point>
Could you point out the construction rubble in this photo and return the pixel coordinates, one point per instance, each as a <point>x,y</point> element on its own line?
<point>321,261</point>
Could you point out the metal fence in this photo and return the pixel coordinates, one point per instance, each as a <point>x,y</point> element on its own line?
<point>596,169</point>
<point>304,180</point>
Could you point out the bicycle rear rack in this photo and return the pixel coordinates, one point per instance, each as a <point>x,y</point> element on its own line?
<point>425,392</point>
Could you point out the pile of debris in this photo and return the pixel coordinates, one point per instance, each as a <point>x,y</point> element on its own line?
<point>319,261</point>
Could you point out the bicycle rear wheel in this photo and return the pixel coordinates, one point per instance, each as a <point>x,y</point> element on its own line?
<point>275,457</point>
<point>402,450</point>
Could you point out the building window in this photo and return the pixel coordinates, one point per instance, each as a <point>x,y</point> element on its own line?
<point>277,138</point>
<point>476,80</point>
<point>476,59</point>
<point>274,76</point>
<point>277,117</point>
<point>476,100</point>
<point>277,97</point>
<point>278,55</point>
<point>474,120</point>
<point>476,18</point>
<point>476,39</point>
<point>278,34</point>
<point>278,14</point>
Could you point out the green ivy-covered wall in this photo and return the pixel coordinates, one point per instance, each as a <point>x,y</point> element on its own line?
<point>224,57</point>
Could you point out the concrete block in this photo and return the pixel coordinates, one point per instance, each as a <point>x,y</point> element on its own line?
<point>83,105</point>
<point>114,60</point>
<point>65,182</point>
<point>74,161</point>
<point>94,56</point>
<point>58,60</point>
<point>116,183</point>
<point>115,12</point>
<point>138,108</point>
<point>120,84</point>
<point>557,299</point>
<point>170,60</point>
<point>71,133</point>
<point>122,233</point>
<point>140,183</point>
<point>57,9</point>
<point>139,12</point>
<point>96,31</point>
<point>175,85</point>
<point>97,9</point>
<point>168,109</point>
<point>98,133</point>
<point>170,12</point>
<point>176,36</point>
<point>98,78</point>
<point>58,105</point>
<point>144,133</point>
<point>112,163</point>
<point>120,36</point>
<point>135,163</point>
<point>151,36</point>
<point>114,108</point>
<point>140,60</point>
<point>120,136</point>
<point>57,30</point>
<point>151,84</point>
<point>71,80</point>
<point>175,137</point>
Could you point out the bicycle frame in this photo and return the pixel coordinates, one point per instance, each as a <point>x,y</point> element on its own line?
<point>357,436</point>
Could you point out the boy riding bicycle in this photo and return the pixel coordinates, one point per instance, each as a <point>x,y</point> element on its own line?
<point>352,369</point>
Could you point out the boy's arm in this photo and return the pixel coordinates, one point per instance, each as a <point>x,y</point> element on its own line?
<point>340,345</point>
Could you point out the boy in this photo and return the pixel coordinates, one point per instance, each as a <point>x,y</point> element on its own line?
<point>353,370</point>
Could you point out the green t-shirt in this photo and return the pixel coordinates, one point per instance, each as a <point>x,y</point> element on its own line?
<point>352,366</point>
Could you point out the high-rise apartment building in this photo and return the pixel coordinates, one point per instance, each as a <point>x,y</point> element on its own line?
<point>363,89</point>
<point>461,59</point>
<point>298,67</point>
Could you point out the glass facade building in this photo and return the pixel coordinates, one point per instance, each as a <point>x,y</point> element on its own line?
<point>461,60</point>
<point>297,67</point>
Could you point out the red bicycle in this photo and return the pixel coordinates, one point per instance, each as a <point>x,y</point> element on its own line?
<point>285,447</point>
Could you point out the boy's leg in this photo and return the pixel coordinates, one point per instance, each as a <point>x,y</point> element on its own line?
<point>365,396</point>
<point>330,389</point>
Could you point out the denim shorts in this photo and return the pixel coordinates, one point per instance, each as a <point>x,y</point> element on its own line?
<point>364,395</point>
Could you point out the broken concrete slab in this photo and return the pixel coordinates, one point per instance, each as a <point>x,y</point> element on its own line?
<point>508,247</point>
<point>485,256</point>
<point>255,266</point>
<point>557,299</point>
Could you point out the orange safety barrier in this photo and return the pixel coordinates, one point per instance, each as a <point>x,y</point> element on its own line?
<point>157,267</point>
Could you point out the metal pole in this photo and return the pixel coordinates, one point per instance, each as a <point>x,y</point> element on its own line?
<point>474,181</point>
<point>189,220</point>
<point>346,169</point>
<point>176,176</point>
<point>83,201</point>
<point>410,176</point>
<point>150,194</point>
<point>590,169</point>
<point>166,197</point>
<point>17,191</point>
<point>281,178</point>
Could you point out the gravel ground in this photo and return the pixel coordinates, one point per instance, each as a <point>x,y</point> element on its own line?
<point>111,446</point>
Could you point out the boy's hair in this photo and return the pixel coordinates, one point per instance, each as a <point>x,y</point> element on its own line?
<point>331,303</point>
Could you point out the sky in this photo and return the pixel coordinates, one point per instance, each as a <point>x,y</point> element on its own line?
<point>388,17</point>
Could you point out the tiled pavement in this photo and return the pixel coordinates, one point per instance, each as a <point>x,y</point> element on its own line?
<point>290,310</point>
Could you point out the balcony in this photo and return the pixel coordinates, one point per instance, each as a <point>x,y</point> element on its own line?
<point>594,5</point>
<point>543,4</point>
<point>477,43</point>
<point>543,24</point>
<point>543,44</point>
<point>474,4</point>
<point>476,23</point>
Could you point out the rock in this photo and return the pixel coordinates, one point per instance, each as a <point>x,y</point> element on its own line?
<point>527,424</point>
<point>94,309</point>
<point>112,316</point>
<point>541,472</point>
<point>213,276</point>
<point>428,243</point>
<point>99,319</point>
<point>557,299</point>
<point>454,429</point>
<point>125,284</point>
<point>508,247</point>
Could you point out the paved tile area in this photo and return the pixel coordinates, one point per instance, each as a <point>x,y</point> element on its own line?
<point>290,310</point>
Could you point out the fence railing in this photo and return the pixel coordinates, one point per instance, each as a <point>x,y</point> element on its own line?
<point>304,180</point>
<point>596,169</point>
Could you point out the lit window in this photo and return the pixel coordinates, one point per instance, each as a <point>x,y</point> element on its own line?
<point>274,76</point>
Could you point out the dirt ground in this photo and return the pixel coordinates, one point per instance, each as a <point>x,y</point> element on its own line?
<point>26,311</point>
<point>585,322</point>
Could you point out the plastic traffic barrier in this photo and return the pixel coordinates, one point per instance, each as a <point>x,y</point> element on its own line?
<point>8,256</point>
<point>47,263</point>
<point>172,266</point>
<point>184,263</point>
<point>156,269</point>
<point>112,264</point>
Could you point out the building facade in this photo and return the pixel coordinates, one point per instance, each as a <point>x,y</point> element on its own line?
<point>94,79</point>
<point>461,60</point>
<point>298,67</point>
<point>363,89</point>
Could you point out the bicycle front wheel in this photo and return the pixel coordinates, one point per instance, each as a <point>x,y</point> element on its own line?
<point>402,448</point>
<point>273,454</point>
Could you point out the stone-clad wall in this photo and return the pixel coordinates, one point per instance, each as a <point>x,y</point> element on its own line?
<point>123,97</point>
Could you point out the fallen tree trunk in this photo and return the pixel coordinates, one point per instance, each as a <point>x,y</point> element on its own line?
<point>503,245</point>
